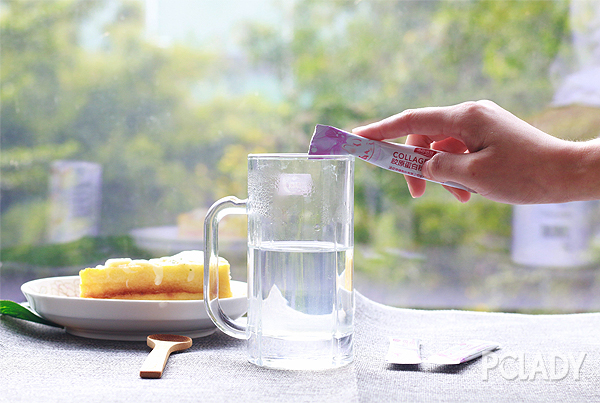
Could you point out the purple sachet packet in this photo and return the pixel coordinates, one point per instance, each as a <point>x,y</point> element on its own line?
<point>463,352</point>
<point>407,160</point>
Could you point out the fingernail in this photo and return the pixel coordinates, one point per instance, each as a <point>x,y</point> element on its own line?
<point>425,171</point>
<point>411,192</point>
<point>458,195</point>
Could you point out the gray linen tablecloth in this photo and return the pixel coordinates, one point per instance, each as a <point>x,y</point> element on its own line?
<point>44,364</point>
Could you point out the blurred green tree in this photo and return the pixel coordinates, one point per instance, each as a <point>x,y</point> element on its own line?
<point>353,62</point>
<point>142,110</point>
<point>129,105</point>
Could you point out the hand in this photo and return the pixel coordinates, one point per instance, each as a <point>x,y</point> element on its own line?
<point>496,154</point>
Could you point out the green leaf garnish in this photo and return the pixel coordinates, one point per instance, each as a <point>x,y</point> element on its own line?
<point>10,308</point>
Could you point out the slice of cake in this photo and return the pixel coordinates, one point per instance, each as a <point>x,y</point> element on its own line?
<point>177,277</point>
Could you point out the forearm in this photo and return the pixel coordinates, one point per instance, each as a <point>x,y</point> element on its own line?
<point>548,170</point>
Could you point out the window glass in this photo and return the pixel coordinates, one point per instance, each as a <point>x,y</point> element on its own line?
<point>123,121</point>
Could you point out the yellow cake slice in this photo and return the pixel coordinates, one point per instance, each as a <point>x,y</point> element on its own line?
<point>178,277</point>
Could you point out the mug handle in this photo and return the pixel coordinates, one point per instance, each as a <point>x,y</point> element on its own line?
<point>221,208</point>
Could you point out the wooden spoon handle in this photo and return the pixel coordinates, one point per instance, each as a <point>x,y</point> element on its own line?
<point>155,362</point>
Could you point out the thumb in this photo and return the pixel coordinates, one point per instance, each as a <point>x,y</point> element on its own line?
<point>447,167</point>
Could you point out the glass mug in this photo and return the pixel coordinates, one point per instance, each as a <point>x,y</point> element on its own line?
<point>300,212</point>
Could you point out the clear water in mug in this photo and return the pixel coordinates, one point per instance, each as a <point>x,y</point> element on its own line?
<point>301,304</point>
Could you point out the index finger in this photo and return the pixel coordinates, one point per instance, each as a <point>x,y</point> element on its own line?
<point>435,123</point>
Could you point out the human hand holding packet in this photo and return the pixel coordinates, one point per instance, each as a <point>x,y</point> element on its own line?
<point>401,158</point>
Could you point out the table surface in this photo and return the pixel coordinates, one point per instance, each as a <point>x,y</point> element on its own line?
<point>45,364</point>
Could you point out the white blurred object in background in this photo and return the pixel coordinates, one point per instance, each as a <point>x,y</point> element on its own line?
<point>583,85</point>
<point>553,235</point>
<point>75,191</point>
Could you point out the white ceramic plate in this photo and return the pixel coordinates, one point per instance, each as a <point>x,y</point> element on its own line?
<point>57,299</point>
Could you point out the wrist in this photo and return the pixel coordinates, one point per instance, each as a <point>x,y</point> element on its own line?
<point>583,178</point>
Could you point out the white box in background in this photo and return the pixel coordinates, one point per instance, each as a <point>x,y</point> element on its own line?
<point>553,235</point>
<point>75,192</point>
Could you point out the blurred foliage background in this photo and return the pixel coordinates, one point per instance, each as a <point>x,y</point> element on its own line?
<point>168,142</point>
